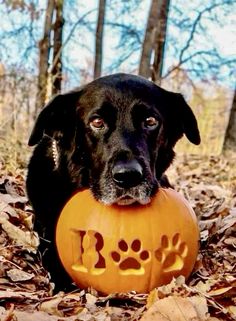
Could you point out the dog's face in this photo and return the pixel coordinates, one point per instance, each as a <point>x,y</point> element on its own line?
<point>119,131</point>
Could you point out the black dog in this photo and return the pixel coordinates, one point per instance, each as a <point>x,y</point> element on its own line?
<point>116,136</point>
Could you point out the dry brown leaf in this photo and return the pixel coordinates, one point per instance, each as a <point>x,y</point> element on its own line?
<point>171,309</point>
<point>152,298</point>
<point>8,294</point>
<point>90,299</point>
<point>114,311</point>
<point>172,287</point>
<point>51,306</point>
<point>229,221</point>
<point>85,315</point>
<point>231,240</point>
<point>232,311</point>
<point>9,199</point>
<point>17,275</point>
<point>204,287</point>
<point>101,316</point>
<point>5,208</point>
<point>7,315</point>
<point>41,316</point>
<point>28,221</point>
<point>28,240</point>
<point>219,291</point>
<point>12,188</point>
<point>200,305</point>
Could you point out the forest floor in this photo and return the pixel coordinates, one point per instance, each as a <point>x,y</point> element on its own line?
<point>209,184</point>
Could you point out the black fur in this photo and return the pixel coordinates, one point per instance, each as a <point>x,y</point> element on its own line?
<point>87,156</point>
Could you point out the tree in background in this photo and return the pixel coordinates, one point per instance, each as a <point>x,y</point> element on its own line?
<point>50,73</point>
<point>44,52</point>
<point>160,41</point>
<point>230,134</point>
<point>191,47</point>
<point>99,39</point>
<point>56,70</point>
<point>148,43</point>
<point>17,60</point>
<point>154,41</point>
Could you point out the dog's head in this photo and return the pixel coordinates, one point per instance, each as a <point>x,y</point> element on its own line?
<point>119,131</point>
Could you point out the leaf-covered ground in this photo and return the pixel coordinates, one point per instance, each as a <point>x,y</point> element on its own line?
<point>209,294</point>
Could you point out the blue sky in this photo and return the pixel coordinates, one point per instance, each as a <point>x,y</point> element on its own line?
<point>216,30</point>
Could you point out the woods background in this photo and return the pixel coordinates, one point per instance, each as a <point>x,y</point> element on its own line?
<point>51,46</point>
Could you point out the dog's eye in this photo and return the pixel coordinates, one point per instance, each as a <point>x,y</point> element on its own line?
<point>97,123</point>
<point>151,122</point>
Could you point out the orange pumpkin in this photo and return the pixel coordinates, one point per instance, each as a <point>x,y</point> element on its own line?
<point>124,248</point>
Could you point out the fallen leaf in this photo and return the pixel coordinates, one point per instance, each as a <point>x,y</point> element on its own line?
<point>51,306</point>
<point>17,275</point>
<point>40,316</point>
<point>9,199</point>
<point>171,309</point>
<point>6,208</point>
<point>90,299</point>
<point>219,291</point>
<point>200,305</point>
<point>231,240</point>
<point>28,240</point>
<point>232,311</point>
<point>18,295</point>
<point>152,298</point>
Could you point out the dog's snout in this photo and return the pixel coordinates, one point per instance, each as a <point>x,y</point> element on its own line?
<point>127,174</point>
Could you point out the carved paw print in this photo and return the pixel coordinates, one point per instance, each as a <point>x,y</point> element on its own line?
<point>130,259</point>
<point>171,253</point>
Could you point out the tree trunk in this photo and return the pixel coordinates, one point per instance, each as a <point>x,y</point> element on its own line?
<point>44,50</point>
<point>99,39</point>
<point>56,70</point>
<point>230,135</point>
<point>160,40</point>
<point>145,61</point>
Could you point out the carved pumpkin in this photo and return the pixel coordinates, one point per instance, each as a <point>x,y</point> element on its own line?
<point>124,248</point>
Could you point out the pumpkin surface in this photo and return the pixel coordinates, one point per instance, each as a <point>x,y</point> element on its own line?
<point>123,248</point>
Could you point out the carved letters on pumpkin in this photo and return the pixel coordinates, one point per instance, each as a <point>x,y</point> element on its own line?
<point>129,258</point>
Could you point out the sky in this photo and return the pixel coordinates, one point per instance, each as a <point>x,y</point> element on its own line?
<point>215,31</point>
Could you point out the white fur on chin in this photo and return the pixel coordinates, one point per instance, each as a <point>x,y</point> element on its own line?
<point>129,201</point>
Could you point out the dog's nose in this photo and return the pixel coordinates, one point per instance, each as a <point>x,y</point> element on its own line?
<point>127,174</point>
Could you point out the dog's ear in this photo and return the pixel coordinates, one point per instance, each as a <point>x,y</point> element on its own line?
<point>188,120</point>
<point>57,118</point>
